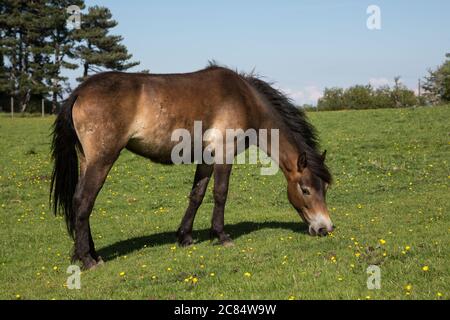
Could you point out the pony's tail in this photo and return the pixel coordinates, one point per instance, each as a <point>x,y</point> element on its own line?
<point>65,170</point>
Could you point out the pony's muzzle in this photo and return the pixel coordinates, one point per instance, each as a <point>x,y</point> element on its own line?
<point>321,228</point>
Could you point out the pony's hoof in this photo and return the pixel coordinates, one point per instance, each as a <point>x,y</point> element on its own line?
<point>184,238</point>
<point>91,264</point>
<point>227,243</point>
<point>94,266</point>
<point>100,261</point>
<point>225,240</point>
<point>186,241</point>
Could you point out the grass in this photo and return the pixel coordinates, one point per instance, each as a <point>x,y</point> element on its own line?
<point>390,202</point>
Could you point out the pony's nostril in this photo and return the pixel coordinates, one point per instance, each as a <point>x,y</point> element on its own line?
<point>322,232</point>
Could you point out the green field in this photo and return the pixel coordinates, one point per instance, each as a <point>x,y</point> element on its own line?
<point>390,203</point>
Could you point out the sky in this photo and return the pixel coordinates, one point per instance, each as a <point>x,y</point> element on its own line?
<point>303,46</point>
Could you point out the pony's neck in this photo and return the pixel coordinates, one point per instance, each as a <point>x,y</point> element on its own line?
<point>288,153</point>
<point>288,157</point>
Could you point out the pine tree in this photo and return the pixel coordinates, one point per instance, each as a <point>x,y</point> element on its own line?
<point>8,45</point>
<point>39,50</point>
<point>98,49</point>
<point>24,46</point>
<point>18,24</point>
<point>61,40</point>
<point>36,45</point>
<point>4,71</point>
<point>4,96</point>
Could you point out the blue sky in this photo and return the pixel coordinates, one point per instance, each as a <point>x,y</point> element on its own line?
<point>304,45</point>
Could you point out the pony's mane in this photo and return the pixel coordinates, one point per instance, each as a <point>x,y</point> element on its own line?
<point>303,134</point>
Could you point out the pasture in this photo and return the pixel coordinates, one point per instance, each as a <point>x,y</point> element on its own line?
<point>390,203</point>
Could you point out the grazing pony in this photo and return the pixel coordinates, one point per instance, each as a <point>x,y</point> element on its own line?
<point>112,111</point>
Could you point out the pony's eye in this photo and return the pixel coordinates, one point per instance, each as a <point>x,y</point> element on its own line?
<point>305,191</point>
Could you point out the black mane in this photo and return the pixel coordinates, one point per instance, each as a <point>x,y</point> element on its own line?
<point>303,133</point>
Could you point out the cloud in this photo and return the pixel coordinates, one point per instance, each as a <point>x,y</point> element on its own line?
<point>379,82</point>
<point>305,95</point>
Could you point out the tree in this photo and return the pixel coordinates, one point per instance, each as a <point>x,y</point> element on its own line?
<point>437,84</point>
<point>97,48</point>
<point>366,97</point>
<point>401,96</point>
<point>333,99</point>
<point>24,49</point>
<point>3,82</point>
<point>36,44</point>
<point>382,98</point>
<point>446,71</point>
<point>10,49</point>
<point>4,71</point>
<point>358,97</point>
<point>61,40</point>
<point>17,22</point>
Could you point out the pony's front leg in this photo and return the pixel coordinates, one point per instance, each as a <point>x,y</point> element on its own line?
<point>201,180</point>
<point>221,182</point>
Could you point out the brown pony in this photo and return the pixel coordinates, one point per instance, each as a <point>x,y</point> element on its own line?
<point>112,111</point>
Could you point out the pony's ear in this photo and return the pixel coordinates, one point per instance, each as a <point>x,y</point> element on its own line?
<point>301,162</point>
<point>324,155</point>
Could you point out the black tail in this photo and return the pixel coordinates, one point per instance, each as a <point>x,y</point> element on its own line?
<point>65,170</point>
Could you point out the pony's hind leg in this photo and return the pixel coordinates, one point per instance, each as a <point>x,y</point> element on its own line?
<point>92,251</point>
<point>86,192</point>
<point>102,135</point>
<point>201,179</point>
<point>221,182</point>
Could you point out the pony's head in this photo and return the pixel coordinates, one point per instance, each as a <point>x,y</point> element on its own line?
<point>307,192</point>
<point>308,176</point>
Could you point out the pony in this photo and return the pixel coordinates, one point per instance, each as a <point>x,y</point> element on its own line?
<point>113,111</point>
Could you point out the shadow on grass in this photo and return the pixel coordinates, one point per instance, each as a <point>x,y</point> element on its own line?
<point>124,247</point>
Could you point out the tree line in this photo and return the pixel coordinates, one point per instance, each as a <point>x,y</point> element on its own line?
<point>435,90</point>
<point>368,97</point>
<point>37,43</point>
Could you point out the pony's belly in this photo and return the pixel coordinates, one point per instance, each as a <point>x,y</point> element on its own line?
<point>157,151</point>
<point>150,135</point>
